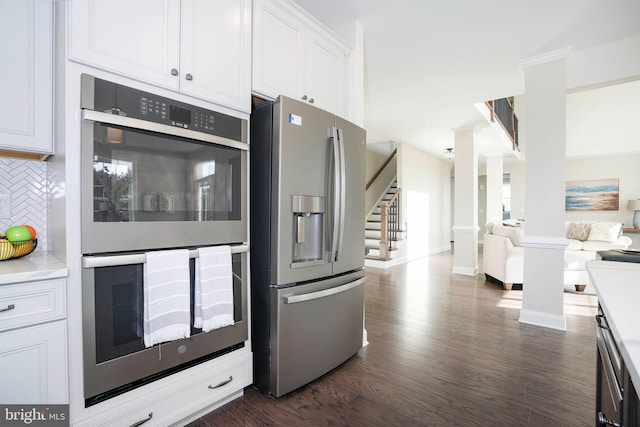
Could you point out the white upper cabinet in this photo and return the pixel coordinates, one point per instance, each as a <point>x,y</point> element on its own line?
<point>201,48</point>
<point>26,77</point>
<point>295,56</point>
<point>326,76</point>
<point>139,39</point>
<point>278,52</point>
<point>216,51</point>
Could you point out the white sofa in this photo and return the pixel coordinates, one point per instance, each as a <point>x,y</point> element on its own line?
<point>503,254</point>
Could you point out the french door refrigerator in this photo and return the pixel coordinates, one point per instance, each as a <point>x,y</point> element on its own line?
<point>307,191</point>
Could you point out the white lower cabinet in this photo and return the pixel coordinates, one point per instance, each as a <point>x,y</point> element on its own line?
<point>33,364</point>
<point>33,343</point>
<point>172,400</point>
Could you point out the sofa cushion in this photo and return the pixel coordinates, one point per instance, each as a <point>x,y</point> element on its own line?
<point>515,234</point>
<point>605,231</point>
<point>596,245</point>
<point>579,231</point>
<point>575,245</point>
<point>575,260</point>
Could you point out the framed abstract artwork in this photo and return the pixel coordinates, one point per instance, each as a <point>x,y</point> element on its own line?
<point>594,195</point>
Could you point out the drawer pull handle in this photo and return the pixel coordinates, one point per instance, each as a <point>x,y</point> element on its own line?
<point>604,421</point>
<point>139,423</point>
<point>9,307</point>
<point>223,383</point>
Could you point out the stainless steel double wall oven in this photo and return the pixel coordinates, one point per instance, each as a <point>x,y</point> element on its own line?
<point>156,174</point>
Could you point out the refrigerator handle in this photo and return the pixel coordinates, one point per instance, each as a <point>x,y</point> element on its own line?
<point>336,193</point>
<point>343,192</point>
<point>325,293</point>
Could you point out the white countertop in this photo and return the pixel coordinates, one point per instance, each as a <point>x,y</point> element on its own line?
<point>617,285</point>
<point>35,266</point>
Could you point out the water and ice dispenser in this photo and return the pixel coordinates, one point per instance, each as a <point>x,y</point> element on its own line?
<point>308,233</point>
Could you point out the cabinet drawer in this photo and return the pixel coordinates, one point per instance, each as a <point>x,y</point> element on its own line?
<point>172,399</point>
<point>31,303</point>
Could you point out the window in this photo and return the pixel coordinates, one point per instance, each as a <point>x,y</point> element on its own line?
<point>506,196</point>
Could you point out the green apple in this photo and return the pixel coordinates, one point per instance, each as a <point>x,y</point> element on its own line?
<point>18,233</point>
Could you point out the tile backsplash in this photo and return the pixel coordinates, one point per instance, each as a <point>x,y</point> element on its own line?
<point>26,183</point>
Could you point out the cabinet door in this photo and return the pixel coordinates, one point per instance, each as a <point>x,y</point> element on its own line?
<point>138,39</point>
<point>278,45</point>
<point>25,75</point>
<point>215,54</point>
<point>325,74</point>
<point>33,362</point>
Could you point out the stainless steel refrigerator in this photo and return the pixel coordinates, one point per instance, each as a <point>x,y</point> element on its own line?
<point>306,243</point>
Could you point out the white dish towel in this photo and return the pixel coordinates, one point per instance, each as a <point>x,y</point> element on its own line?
<point>213,307</point>
<point>167,296</point>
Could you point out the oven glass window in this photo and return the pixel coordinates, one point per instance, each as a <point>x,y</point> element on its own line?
<point>119,311</point>
<point>119,307</point>
<point>141,177</point>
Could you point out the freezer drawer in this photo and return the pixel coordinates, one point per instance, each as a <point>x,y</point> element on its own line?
<point>317,326</point>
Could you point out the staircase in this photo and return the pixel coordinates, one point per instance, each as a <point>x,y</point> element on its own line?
<point>377,246</point>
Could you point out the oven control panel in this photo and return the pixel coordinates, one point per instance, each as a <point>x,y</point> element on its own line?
<point>113,97</point>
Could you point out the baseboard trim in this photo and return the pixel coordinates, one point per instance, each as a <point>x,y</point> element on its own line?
<point>440,250</point>
<point>467,271</point>
<point>547,320</point>
<point>384,264</point>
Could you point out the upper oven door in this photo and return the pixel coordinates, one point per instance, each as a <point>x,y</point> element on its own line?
<point>148,185</point>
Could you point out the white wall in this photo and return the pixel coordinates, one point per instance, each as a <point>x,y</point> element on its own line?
<point>622,167</point>
<point>425,181</point>
<point>26,184</point>
<point>377,154</point>
<point>516,174</point>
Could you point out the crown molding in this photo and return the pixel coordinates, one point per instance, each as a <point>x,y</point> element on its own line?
<point>543,58</point>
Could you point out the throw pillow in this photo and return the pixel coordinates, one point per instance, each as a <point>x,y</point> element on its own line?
<point>579,231</point>
<point>605,231</point>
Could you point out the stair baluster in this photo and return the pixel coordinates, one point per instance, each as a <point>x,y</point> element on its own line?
<point>389,223</point>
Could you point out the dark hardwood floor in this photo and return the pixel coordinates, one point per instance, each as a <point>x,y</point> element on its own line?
<point>443,350</point>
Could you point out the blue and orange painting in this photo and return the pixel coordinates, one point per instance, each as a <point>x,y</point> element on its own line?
<point>597,195</point>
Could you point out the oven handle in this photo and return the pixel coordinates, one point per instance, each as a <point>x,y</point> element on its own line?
<point>114,119</point>
<point>116,260</point>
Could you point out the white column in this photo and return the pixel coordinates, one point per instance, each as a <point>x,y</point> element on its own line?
<point>465,229</point>
<point>544,242</point>
<point>495,172</point>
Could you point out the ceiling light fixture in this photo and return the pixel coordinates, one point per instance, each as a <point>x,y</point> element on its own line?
<point>448,153</point>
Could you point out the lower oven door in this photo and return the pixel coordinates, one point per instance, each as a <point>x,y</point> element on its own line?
<point>115,357</point>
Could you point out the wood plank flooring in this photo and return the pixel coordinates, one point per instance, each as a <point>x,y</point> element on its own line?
<point>444,350</point>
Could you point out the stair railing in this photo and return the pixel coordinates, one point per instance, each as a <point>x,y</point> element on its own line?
<point>503,110</point>
<point>389,224</point>
<point>381,168</point>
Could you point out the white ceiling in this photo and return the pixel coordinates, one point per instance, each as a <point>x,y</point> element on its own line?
<point>428,62</point>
